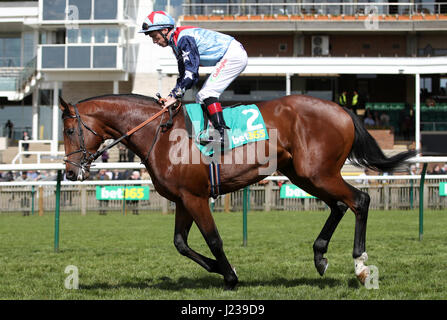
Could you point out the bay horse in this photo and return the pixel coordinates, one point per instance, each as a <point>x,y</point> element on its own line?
<point>314,138</point>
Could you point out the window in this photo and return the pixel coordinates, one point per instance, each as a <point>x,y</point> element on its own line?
<point>282,47</point>
<point>28,47</point>
<point>106,9</point>
<point>10,52</point>
<point>443,86</point>
<point>426,84</point>
<point>100,35</point>
<point>78,57</point>
<point>53,9</point>
<point>113,34</point>
<point>79,9</point>
<point>53,57</point>
<point>104,57</point>
<point>72,35</point>
<point>84,9</point>
<point>86,35</point>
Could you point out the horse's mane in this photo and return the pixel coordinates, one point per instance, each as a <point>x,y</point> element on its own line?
<point>125,95</point>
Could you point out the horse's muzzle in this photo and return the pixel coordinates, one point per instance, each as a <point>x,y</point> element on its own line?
<point>80,174</point>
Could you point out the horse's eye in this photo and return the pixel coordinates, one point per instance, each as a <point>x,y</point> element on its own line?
<point>69,131</point>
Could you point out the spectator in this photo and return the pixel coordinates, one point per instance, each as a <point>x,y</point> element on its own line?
<point>363,177</point>
<point>122,153</point>
<point>42,175</point>
<point>134,203</point>
<point>26,137</point>
<point>369,121</point>
<point>413,170</point>
<point>145,175</point>
<point>24,201</point>
<point>32,175</point>
<point>105,156</point>
<point>10,127</point>
<point>376,118</point>
<point>24,177</point>
<point>342,99</point>
<point>436,169</point>
<point>118,175</point>
<point>8,176</point>
<point>384,119</point>
<point>354,102</point>
<point>102,175</point>
<point>130,155</point>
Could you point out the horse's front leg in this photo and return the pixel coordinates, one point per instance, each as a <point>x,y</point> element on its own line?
<point>183,222</point>
<point>199,209</point>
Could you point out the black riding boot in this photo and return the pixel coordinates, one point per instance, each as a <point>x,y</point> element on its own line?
<point>219,124</point>
<point>214,111</point>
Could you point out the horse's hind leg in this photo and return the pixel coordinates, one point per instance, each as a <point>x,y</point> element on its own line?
<point>322,242</point>
<point>360,208</point>
<point>358,202</point>
<point>183,222</point>
<point>199,209</point>
<point>332,189</point>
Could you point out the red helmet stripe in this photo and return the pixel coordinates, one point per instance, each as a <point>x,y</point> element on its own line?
<point>152,14</point>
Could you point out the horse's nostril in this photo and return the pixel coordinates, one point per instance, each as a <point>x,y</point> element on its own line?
<point>70,174</point>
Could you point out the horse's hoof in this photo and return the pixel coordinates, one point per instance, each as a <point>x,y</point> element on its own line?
<point>231,285</point>
<point>321,266</point>
<point>362,276</point>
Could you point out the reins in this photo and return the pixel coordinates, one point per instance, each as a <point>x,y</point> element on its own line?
<point>92,157</point>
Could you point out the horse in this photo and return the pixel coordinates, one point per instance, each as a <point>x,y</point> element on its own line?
<point>313,140</point>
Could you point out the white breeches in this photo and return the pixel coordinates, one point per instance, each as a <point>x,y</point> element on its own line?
<point>225,71</point>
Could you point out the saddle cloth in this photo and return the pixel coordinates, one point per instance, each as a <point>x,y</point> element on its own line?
<point>245,121</point>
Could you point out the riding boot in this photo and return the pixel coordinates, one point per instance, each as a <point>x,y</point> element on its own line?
<point>219,124</point>
<point>215,114</point>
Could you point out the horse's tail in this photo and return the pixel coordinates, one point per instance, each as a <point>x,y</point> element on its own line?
<point>366,152</point>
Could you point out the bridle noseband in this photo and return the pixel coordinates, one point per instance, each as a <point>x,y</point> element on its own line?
<point>87,157</point>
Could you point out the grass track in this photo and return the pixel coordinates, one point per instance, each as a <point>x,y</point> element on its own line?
<point>133,257</point>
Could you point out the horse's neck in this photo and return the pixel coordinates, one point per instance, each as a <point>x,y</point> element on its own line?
<point>119,120</point>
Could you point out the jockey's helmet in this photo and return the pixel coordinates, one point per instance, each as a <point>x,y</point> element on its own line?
<point>157,20</point>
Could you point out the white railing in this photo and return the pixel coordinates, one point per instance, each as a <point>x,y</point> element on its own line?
<point>359,178</point>
<point>39,154</point>
<point>341,8</point>
<point>136,165</point>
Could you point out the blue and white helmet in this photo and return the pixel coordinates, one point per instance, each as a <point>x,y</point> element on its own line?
<point>157,20</point>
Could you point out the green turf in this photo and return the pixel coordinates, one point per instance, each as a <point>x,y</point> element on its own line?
<point>133,257</point>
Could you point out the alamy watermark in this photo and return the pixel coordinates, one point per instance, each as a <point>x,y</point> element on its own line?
<point>72,281</point>
<point>372,281</point>
<point>72,16</point>
<point>372,21</point>
<point>262,153</point>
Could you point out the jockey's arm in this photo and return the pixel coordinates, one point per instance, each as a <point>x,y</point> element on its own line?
<point>188,61</point>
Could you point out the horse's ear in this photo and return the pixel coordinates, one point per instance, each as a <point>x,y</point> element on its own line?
<point>63,105</point>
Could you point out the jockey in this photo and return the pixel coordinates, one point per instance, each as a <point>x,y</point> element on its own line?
<point>192,47</point>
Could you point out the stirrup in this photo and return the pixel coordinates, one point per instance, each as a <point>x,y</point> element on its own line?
<point>209,141</point>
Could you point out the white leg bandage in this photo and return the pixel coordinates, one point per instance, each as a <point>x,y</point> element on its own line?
<point>359,264</point>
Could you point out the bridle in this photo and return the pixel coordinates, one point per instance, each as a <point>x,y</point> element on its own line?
<point>87,156</point>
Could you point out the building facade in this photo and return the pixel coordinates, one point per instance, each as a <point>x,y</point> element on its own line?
<point>391,53</point>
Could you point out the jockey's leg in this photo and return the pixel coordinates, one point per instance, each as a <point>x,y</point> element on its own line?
<point>215,114</point>
<point>224,73</point>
